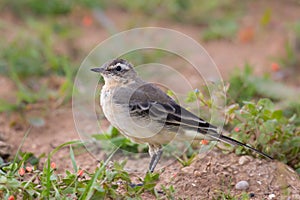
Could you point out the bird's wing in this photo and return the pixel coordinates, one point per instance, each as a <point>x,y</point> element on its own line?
<point>171,114</point>
<point>152,101</point>
<point>175,116</point>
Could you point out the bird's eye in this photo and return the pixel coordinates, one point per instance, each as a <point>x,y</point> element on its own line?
<point>118,68</point>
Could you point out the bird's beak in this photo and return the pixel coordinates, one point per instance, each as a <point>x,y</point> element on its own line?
<point>98,69</point>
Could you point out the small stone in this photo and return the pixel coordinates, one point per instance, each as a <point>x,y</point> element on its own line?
<point>271,196</point>
<point>259,182</point>
<point>251,195</point>
<point>244,160</point>
<point>197,173</point>
<point>242,185</point>
<point>259,161</point>
<point>188,169</point>
<point>227,174</point>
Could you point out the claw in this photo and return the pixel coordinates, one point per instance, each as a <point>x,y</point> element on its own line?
<point>133,185</point>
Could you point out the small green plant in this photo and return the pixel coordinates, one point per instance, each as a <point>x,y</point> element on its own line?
<point>267,129</point>
<point>221,195</point>
<point>148,184</point>
<point>260,124</point>
<point>169,192</point>
<point>185,160</point>
<point>225,192</point>
<point>240,88</point>
<point>293,109</point>
<point>113,139</point>
<point>201,97</point>
<point>22,179</point>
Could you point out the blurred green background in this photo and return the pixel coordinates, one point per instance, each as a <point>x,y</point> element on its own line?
<point>43,43</point>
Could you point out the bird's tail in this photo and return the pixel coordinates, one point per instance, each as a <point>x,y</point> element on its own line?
<point>231,141</point>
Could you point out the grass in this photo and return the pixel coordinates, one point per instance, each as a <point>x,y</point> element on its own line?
<point>30,181</point>
<point>113,138</point>
<point>245,86</point>
<point>226,195</point>
<point>187,11</point>
<point>268,130</point>
<point>30,57</point>
<point>49,8</point>
<point>219,18</point>
<point>220,29</point>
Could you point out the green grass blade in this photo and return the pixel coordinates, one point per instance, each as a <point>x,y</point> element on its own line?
<point>6,106</point>
<point>48,175</point>
<point>63,145</point>
<point>18,151</point>
<point>47,171</point>
<point>57,194</point>
<point>73,159</point>
<point>88,193</point>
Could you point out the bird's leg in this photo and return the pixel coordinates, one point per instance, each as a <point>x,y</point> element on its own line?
<point>153,157</point>
<point>155,153</point>
<point>154,160</point>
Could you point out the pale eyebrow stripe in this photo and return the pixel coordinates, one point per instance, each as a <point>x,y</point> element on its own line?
<point>122,65</point>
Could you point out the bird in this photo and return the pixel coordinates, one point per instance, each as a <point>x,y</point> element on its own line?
<point>144,113</point>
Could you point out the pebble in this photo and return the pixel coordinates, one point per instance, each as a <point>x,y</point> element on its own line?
<point>197,173</point>
<point>244,160</point>
<point>251,195</point>
<point>271,196</point>
<point>259,182</point>
<point>242,185</point>
<point>188,169</point>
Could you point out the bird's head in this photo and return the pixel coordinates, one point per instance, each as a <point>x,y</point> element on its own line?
<point>118,70</point>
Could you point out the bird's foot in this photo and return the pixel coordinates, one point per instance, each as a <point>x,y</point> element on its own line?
<point>133,185</point>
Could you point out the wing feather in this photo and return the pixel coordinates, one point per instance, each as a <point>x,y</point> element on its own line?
<point>172,114</point>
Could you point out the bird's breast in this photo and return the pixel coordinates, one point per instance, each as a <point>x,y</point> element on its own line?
<point>141,127</point>
<point>107,105</point>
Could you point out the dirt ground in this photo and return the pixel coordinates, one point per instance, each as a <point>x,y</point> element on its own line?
<point>206,175</point>
<point>214,172</point>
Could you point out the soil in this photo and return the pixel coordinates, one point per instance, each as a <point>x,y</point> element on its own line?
<point>214,172</point>
<point>208,175</point>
